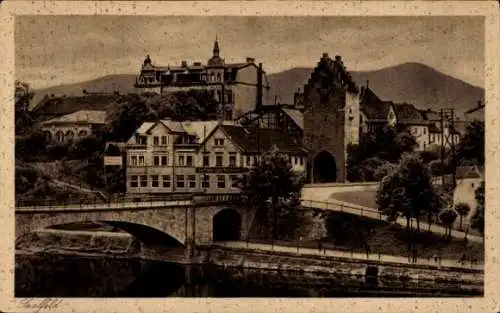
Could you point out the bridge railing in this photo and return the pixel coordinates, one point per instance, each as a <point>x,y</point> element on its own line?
<point>99,202</point>
<point>207,198</point>
<point>120,200</point>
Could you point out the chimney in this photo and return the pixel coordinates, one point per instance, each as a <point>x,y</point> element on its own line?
<point>250,60</point>
<point>184,63</point>
<point>259,87</point>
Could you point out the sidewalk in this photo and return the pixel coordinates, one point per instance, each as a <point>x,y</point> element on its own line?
<point>345,254</point>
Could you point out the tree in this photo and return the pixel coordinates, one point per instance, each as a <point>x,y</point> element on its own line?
<point>385,144</point>
<point>272,181</point>
<point>471,146</point>
<point>478,218</point>
<point>448,217</point>
<point>23,117</point>
<point>408,191</point>
<point>462,209</point>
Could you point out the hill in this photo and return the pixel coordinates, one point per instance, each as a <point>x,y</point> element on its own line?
<point>410,82</point>
<point>122,82</point>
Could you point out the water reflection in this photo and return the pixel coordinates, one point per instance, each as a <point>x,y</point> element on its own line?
<point>71,276</point>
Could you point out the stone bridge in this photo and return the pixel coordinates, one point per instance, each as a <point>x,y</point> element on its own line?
<point>164,223</point>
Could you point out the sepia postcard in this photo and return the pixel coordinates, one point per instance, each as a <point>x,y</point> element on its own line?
<point>257,156</point>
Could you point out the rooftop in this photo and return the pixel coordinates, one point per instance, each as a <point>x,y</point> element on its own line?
<point>68,105</point>
<point>260,140</point>
<point>82,116</point>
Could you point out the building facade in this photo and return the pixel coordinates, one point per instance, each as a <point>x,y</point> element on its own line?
<point>237,87</point>
<point>74,126</point>
<point>187,157</point>
<point>330,101</point>
<point>425,125</point>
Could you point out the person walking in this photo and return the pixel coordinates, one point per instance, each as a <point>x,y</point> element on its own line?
<point>368,250</point>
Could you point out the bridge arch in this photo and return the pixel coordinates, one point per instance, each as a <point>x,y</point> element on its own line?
<point>144,226</point>
<point>226,225</point>
<point>324,168</point>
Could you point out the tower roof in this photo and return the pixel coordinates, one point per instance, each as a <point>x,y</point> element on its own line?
<point>216,47</point>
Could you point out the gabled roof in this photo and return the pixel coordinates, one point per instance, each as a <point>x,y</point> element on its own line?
<point>296,116</point>
<point>260,140</point>
<point>144,128</point>
<point>371,105</point>
<point>82,116</point>
<point>199,129</point>
<point>467,172</point>
<point>325,73</point>
<point>430,115</point>
<point>408,114</point>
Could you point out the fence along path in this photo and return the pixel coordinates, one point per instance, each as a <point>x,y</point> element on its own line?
<point>349,254</point>
<point>340,206</point>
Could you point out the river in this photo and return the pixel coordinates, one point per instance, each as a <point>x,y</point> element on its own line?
<point>54,275</point>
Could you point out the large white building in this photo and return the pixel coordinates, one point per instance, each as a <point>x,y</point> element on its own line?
<point>199,156</point>
<point>74,126</point>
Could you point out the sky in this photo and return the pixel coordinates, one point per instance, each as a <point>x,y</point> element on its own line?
<point>54,50</point>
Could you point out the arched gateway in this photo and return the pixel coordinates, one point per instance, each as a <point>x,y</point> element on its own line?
<point>324,168</point>
<point>226,226</point>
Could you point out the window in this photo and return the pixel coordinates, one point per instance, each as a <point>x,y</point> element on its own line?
<point>232,159</point>
<point>164,160</point>
<point>154,181</point>
<point>234,181</point>
<point>425,130</point>
<point>156,141</point>
<point>181,160</point>
<point>248,160</point>
<point>166,181</point>
<point>295,160</point>
<point>189,160</point>
<point>301,160</point>
<point>205,183</point>
<point>60,136</point>
<point>218,160</point>
<point>144,181</point>
<point>192,181</point>
<point>156,160</point>
<point>134,181</point>
<point>141,160</point>
<point>221,181</point>
<point>180,181</point>
<point>164,140</point>
<point>206,160</point>
<point>82,133</point>
<point>133,160</point>
<point>219,141</point>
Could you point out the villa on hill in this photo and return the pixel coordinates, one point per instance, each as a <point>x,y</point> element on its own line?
<point>238,87</point>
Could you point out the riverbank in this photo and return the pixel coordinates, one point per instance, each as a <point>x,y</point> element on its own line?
<point>384,276</point>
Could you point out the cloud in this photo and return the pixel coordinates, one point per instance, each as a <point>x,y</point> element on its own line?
<point>72,48</point>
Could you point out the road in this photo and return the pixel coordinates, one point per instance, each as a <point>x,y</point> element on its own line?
<point>344,254</point>
<point>339,206</point>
